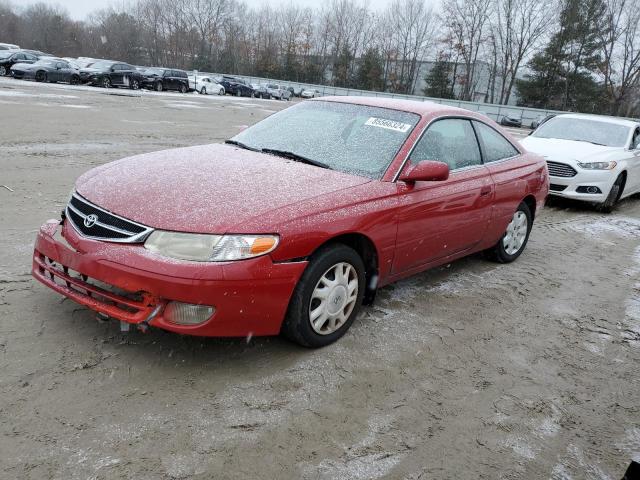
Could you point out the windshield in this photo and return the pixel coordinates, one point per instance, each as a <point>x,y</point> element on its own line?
<point>153,71</point>
<point>354,139</point>
<point>584,130</point>
<point>101,65</point>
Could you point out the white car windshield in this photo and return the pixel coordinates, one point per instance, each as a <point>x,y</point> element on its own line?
<point>350,138</point>
<point>584,130</point>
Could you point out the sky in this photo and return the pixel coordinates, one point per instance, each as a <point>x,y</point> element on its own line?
<point>78,9</point>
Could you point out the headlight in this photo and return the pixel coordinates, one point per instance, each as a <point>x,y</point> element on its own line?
<point>598,165</point>
<point>209,248</point>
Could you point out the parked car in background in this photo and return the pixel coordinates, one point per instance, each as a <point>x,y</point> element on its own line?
<point>592,158</point>
<point>349,199</point>
<point>540,120</point>
<point>236,86</point>
<point>38,53</point>
<point>108,73</point>
<point>160,79</point>
<point>259,91</point>
<point>205,85</point>
<point>277,91</point>
<point>84,62</point>
<point>295,91</point>
<point>8,58</point>
<point>9,46</point>
<point>511,120</point>
<point>310,94</point>
<point>47,70</point>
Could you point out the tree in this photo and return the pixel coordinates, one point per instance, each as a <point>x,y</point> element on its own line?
<point>370,71</point>
<point>563,74</point>
<point>438,79</point>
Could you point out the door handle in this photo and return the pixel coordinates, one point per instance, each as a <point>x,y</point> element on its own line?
<point>485,191</point>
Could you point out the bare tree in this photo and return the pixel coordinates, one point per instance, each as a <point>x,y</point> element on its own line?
<point>466,21</point>
<point>621,51</point>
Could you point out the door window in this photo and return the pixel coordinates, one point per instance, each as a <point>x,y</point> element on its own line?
<point>496,147</point>
<point>451,141</point>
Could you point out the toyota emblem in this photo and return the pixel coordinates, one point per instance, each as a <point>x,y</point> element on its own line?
<point>90,220</point>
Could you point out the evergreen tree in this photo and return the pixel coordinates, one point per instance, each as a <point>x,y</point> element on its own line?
<point>563,74</point>
<point>369,75</point>
<point>438,82</point>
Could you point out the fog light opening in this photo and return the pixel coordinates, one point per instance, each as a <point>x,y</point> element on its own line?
<point>589,189</point>
<point>188,313</point>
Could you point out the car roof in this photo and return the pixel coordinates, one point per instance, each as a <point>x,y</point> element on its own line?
<point>413,106</point>
<point>602,118</point>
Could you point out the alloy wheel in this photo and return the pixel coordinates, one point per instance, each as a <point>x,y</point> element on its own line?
<point>516,233</point>
<point>334,298</point>
<point>3,71</point>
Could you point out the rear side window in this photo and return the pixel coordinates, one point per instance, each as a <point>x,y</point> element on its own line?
<point>496,147</point>
<point>451,141</point>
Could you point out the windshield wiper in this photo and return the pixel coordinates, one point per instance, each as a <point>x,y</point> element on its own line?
<point>241,145</point>
<point>294,156</point>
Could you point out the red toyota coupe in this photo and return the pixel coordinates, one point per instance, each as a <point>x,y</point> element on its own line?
<point>295,222</point>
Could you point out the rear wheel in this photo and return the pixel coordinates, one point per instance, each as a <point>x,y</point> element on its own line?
<point>614,195</point>
<point>221,91</point>
<point>3,71</point>
<point>238,93</point>
<point>327,298</point>
<point>75,80</point>
<point>203,91</point>
<point>159,87</point>
<point>183,88</point>
<point>515,239</point>
<point>106,82</point>
<point>135,84</point>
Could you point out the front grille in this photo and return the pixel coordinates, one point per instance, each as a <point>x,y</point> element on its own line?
<point>557,188</point>
<point>557,169</point>
<point>94,222</point>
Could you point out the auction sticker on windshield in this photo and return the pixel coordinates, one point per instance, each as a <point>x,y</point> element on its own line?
<point>388,124</point>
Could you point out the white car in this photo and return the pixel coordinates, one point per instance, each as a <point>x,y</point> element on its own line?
<point>205,85</point>
<point>310,94</point>
<point>9,46</point>
<point>590,157</point>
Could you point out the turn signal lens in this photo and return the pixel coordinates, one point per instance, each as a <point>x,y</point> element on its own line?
<point>187,313</point>
<point>262,245</point>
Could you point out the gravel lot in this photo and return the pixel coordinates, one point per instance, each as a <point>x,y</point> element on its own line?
<point>475,370</point>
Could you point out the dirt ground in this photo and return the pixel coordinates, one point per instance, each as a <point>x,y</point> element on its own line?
<point>475,370</point>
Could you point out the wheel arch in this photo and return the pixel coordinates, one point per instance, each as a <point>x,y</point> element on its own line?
<point>367,250</point>
<point>623,174</point>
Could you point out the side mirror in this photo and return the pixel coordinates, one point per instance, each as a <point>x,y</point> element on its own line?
<point>426,171</point>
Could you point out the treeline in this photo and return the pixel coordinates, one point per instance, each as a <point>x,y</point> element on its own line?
<point>579,55</point>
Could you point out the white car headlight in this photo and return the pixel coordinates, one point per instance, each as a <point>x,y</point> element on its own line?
<point>209,248</point>
<point>598,165</point>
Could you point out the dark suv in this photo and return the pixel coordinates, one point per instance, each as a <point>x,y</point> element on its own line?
<point>8,58</point>
<point>160,79</point>
<point>107,73</point>
<point>236,86</point>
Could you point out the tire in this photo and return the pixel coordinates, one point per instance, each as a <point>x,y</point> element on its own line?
<point>334,314</point>
<point>41,76</point>
<point>614,195</point>
<point>135,84</point>
<point>238,93</point>
<point>183,88</point>
<point>3,71</point>
<point>203,91</point>
<point>105,82</point>
<point>221,91</point>
<point>505,250</point>
<point>75,80</point>
<point>159,87</point>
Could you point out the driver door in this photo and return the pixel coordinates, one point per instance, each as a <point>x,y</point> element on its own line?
<point>444,219</point>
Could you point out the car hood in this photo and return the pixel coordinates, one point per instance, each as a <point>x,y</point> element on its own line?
<point>564,150</point>
<point>207,189</point>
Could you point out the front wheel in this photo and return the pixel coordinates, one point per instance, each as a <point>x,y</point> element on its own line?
<point>41,76</point>
<point>327,298</point>
<point>203,91</point>
<point>106,82</point>
<point>238,93</point>
<point>75,80</point>
<point>614,195</point>
<point>135,84</point>
<point>221,91</point>
<point>515,239</point>
<point>159,87</point>
<point>3,71</point>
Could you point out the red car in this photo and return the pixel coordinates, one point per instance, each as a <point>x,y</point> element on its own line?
<point>295,222</point>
